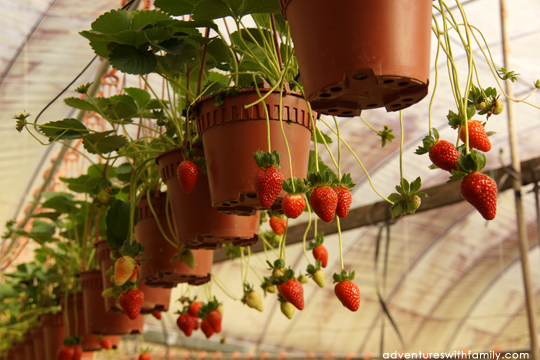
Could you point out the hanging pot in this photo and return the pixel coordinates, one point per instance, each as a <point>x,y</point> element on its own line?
<point>11,353</point>
<point>361,54</point>
<point>199,225</point>
<point>96,318</point>
<point>53,334</point>
<point>90,342</point>
<point>157,270</point>
<point>28,346</point>
<point>39,343</point>
<point>20,353</point>
<point>231,134</point>
<point>155,299</point>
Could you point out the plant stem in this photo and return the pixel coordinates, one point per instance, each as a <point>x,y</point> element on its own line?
<point>339,149</point>
<point>306,232</point>
<point>266,114</point>
<point>401,149</point>
<point>340,244</point>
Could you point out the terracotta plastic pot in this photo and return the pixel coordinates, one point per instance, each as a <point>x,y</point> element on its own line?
<point>20,353</point>
<point>96,318</point>
<point>39,343</point>
<point>90,342</point>
<point>362,54</point>
<point>198,224</point>
<point>231,134</point>
<point>28,346</point>
<point>155,299</point>
<point>157,270</point>
<point>11,353</point>
<point>53,334</point>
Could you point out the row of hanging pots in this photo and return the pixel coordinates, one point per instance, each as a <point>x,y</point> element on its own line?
<point>368,54</point>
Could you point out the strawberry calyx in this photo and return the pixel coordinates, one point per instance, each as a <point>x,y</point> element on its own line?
<point>319,240</point>
<point>73,340</point>
<point>189,155</point>
<point>386,135</point>
<point>467,164</point>
<point>281,299</point>
<point>324,178</point>
<point>266,159</point>
<point>277,268</point>
<point>345,181</point>
<point>288,275</point>
<point>268,286</point>
<point>428,142</point>
<point>301,186</point>
<point>406,200</point>
<point>312,269</point>
<point>207,307</point>
<point>343,276</point>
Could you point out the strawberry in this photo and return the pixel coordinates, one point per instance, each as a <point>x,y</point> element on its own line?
<point>105,343</point>
<point>319,251</point>
<point>214,320</point>
<point>481,192</point>
<point>188,174</point>
<point>286,307</point>
<point>145,355</point>
<point>157,315</point>
<point>278,224</point>
<point>293,204</point>
<point>134,276</point>
<point>323,199</point>
<point>65,352</point>
<point>407,198</point>
<point>346,291</point>
<point>269,179</point>
<point>497,107</point>
<point>252,298</point>
<point>442,154</point>
<point>316,273</point>
<point>478,138</point>
<point>194,307</point>
<point>291,289</point>
<point>302,279</point>
<point>187,257</point>
<point>123,269</point>
<point>131,302</point>
<point>185,323</point>
<point>344,201</point>
<point>195,321</point>
<point>71,349</point>
<point>207,329</point>
<point>78,352</point>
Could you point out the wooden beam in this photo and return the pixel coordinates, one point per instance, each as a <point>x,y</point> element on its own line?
<point>438,196</point>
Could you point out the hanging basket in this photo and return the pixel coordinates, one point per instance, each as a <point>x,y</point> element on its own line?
<point>96,318</point>
<point>199,225</point>
<point>157,270</point>
<point>155,299</point>
<point>231,134</point>
<point>39,343</point>
<point>53,334</point>
<point>90,342</point>
<point>361,54</point>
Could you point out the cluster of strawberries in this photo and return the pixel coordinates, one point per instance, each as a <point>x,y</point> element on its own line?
<point>126,269</point>
<point>210,315</point>
<point>478,189</point>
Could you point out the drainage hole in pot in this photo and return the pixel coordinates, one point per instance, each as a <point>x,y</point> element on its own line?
<point>167,272</point>
<point>396,105</point>
<point>403,83</point>
<point>360,76</point>
<point>251,195</point>
<point>325,95</point>
<point>335,89</point>
<point>226,204</point>
<point>237,238</point>
<point>389,81</point>
<point>371,105</point>
<point>208,236</point>
<point>234,202</point>
<point>332,110</point>
<point>347,112</point>
<point>407,100</point>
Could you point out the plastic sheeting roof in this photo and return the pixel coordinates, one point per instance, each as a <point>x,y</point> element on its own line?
<point>453,281</point>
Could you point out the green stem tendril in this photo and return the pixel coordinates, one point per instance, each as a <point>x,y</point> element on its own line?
<point>340,244</point>
<point>401,149</point>
<point>265,113</point>
<point>223,287</point>
<point>339,149</point>
<point>306,232</point>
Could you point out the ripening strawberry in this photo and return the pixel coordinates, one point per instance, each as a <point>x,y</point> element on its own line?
<point>481,192</point>
<point>478,138</point>
<point>135,273</point>
<point>185,323</point>
<point>123,269</point>
<point>344,201</point>
<point>188,174</point>
<point>278,225</point>
<point>293,205</point>
<point>324,202</point>
<point>145,356</point>
<point>293,292</point>
<point>346,291</point>
<point>269,179</point>
<point>131,302</point>
<point>320,253</point>
<point>207,329</point>
<point>194,307</point>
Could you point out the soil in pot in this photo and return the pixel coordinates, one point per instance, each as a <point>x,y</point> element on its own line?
<point>96,318</point>
<point>368,54</point>
<point>198,224</point>
<point>231,134</point>
<point>53,334</point>
<point>157,270</point>
<point>39,343</point>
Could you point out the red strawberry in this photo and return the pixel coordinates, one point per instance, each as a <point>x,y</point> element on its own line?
<point>478,138</point>
<point>293,292</point>
<point>324,202</point>
<point>442,154</point>
<point>145,356</point>
<point>188,174</point>
<point>105,343</point>
<point>320,253</point>
<point>194,307</point>
<point>346,291</point>
<point>269,179</point>
<point>214,320</point>
<point>131,302</point>
<point>344,201</point>
<point>481,192</point>
<point>195,321</point>
<point>185,323</point>
<point>278,224</point>
<point>65,352</point>
<point>207,329</point>
<point>293,205</point>
<point>157,315</point>
<point>78,352</point>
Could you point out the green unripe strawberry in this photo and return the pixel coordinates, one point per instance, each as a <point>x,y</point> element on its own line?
<point>110,272</point>
<point>103,197</point>
<point>271,289</point>
<point>254,300</point>
<point>416,201</point>
<point>276,273</point>
<point>107,293</point>
<point>287,309</point>
<point>318,277</point>
<point>498,107</point>
<point>481,106</point>
<point>303,279</point>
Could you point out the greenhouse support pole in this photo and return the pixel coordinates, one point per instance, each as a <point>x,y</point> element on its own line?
<point>522,229</point>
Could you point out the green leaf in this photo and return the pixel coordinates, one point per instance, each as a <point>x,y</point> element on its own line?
<point>258,6</point>
<point>171,46</point>
<point>140,96</point>
<point>42,227</point>
<point>103,143</point>
<point>81,104</point>
<point>176,7</point>
<point>132,60</point>
<point>63,129</point>
<point>396,209</point>
<point>121,107</point>
<point>60,204</point>
<point>7,291</point>
<point>327,138</point>
<point>214,9</point>
<point>416,184</point>
<point>118,218</point>
<point>147,17</point>
<point>100,48</point>
<point>47,215</point>
<point>112,22</point>
<point>82,184</point>
<point>405,185</point>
